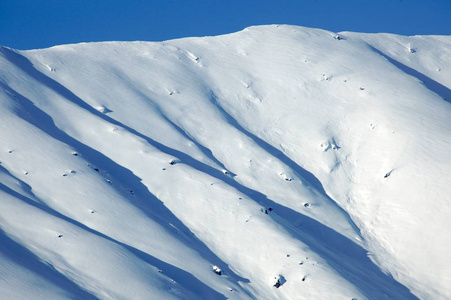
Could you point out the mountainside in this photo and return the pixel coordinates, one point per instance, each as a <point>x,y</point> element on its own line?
<point>218,167</point>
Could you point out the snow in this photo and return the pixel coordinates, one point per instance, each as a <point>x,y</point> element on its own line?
<point>275,153</point>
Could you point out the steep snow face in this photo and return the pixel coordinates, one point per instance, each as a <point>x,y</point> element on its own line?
<point>278,162</point>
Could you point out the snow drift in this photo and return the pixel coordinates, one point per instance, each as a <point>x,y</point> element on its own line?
<point>278,162</point>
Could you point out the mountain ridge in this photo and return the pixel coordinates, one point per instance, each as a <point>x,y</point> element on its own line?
<point>208,144</point>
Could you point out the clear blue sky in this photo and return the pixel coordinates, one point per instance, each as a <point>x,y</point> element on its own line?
<point>29,24</point>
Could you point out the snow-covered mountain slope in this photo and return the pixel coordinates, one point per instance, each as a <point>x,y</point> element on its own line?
<point>130,170</point>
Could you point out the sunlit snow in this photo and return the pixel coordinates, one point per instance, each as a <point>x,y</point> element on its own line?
<point>279,162</point>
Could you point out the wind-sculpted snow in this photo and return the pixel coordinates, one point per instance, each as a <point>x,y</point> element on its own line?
<point>278,162</point>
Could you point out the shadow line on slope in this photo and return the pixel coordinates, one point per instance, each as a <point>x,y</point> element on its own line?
<point>148,203</point>
<point>429,83</point>
<point>305,175</point>
<point>27,259</point>
<point>185,279</point>
<point>331,242</point>
<point>204,149</point>
<point>339,245</point>
<point>207,152</point>
<point>347,258</point>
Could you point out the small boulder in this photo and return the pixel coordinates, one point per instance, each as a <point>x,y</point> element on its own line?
<point>217,270</point>
<point>278,281</point>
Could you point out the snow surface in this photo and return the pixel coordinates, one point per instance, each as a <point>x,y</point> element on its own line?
<point>136,170</point>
